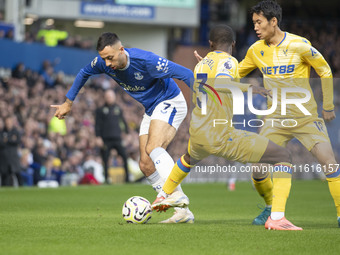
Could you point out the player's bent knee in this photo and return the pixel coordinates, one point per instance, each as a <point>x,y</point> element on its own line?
<point>150,147</point>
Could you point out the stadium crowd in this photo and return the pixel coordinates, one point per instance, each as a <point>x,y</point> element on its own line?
<point>51,149</point>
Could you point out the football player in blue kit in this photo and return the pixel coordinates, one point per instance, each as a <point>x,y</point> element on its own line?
<point>147,78</point>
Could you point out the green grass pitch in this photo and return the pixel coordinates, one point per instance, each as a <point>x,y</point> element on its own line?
<point>87,220</point>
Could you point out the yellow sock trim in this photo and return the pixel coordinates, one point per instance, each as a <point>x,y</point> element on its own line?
<point>176,176</point>
<point>334,188</point>
<point>282,182</point>
<point>185,163</point>
<point>265,188</point>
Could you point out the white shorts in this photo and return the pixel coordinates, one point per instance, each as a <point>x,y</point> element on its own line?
<point>172,111</point>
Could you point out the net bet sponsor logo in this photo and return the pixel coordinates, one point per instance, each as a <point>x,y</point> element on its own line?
<point>284,69</point>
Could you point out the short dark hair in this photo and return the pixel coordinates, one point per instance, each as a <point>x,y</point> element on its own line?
<point>269,9</point>
<point>106,39</point>
<point>221,35</point>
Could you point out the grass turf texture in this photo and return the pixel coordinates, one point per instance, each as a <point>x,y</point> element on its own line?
<point>87,220</point>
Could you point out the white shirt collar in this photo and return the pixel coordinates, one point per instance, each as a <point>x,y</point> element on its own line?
<point>128,61</point>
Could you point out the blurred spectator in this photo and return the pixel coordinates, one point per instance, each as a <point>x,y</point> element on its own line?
<point>10,34</point>
<point>109,125</point>
<point>91,165</point>
<point>11,165</point>
<point>3,156</point>
<point>27,172</point>
<point>53,169</point>
<point>47,74</point>
<point>29,38</point>
<point>51,36</point>
<point>57,171</point>
<point>40,153</point>
<point>74,171</point>
<point>19,71</point>
<point>31,77</point>
<point>59,80</point>
<point>6,30</point>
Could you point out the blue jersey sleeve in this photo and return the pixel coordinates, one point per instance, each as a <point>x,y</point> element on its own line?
<point>159,67</point>
<point>82,76</point>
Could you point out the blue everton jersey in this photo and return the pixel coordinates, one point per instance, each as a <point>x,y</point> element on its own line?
<point>146,77</point>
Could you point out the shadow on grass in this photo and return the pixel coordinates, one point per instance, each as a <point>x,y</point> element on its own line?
<point>224,221</point>
<point>212,222</point>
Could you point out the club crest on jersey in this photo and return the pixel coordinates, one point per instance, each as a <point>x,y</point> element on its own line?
<point>262,52</point>
<point>138,76</point>
<point>285,52</point>
<point>228,64</point>
<point>94,62</point>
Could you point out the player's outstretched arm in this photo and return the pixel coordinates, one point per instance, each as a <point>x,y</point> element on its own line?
<point>318,62</point>
<point>62,110</point>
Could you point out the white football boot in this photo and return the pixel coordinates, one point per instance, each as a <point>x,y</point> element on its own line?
<point>181,215</point>
<point>164,202</point>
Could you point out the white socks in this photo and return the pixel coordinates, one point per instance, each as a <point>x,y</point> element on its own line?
<point>156,181</point>
<point>277,215</point>
<point>163,163</point>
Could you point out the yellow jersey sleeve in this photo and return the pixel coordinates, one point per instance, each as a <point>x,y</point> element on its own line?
<point>247,64</point>
<point>226,67</point>
<point>227,73</point>
<point>314,58</point>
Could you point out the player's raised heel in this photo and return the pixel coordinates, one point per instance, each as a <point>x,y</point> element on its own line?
<point>176,199</point>
<point>282,224</point>
<point>262,218</point>
<point>181,215</point>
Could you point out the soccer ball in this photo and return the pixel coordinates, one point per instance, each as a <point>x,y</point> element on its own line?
<point>137,210</point>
